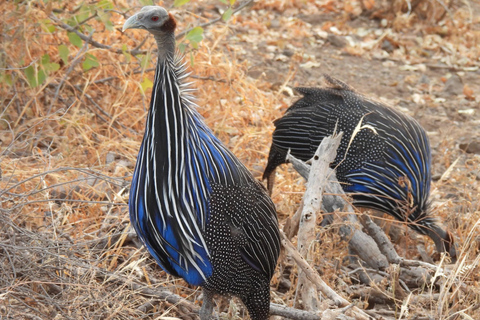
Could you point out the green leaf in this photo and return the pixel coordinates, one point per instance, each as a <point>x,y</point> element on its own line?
<point>45,59</point>
<point>179,3</point>
<point>227,14</point>
<point>127,55</point>
<point>146,2</point>
<point>144,60</point>
<point>88,28</point>
<point>71,22</point>
<point>195,36</point>
<point>42,76</point>
<point>105,18</point>
<point>75,39</point>
<point>105,5</point>
<point>146,84</point>
<point>223,1</point>
<point>90,62</point>
<point>6,78</point>
<point>47,65</point>
<point>63,52</point>
<point>31,76</point>
<point>51,67</point>
<point>181,47</point>
<point>84,13</point>
<point>47,25</point>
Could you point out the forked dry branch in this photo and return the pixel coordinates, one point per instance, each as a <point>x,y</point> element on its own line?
<point>374,249</point>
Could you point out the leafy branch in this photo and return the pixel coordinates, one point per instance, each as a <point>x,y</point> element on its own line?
<point>88,39</point>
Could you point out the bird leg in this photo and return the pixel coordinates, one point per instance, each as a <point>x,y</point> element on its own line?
<point>207,305</point>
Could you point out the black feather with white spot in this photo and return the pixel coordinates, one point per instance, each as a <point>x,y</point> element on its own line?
<point>385,166</point>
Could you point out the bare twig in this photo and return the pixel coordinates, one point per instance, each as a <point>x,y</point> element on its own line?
<point>209,23</point>
<point>311,273</point>
<point>91,41</point>
<point>291,313</point>
<point>72,66</point>
<point>448,11</point>
<point>105,113</point>
<point>90,172</point>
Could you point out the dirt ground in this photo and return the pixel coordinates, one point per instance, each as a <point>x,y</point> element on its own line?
<point>69,144</point>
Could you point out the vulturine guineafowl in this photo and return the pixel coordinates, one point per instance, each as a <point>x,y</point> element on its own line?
<point>385,167</point>
<point>196,207</point>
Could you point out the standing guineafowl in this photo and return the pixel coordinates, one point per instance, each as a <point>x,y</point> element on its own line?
<point>385,167</point>
<point>197,209</point>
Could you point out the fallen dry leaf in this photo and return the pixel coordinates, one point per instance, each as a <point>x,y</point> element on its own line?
<point>468,92</point>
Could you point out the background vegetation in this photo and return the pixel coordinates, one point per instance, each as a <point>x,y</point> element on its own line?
<point>74,92</point>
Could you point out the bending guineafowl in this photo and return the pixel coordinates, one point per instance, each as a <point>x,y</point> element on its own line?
<point>197,209</point>
<point>385,167</point>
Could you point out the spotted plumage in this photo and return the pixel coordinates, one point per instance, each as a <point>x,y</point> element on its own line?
<point>386,166</point>
<point>195,206</point>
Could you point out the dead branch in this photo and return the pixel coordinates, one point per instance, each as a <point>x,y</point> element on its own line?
<point>382,240</point>
<point>291,313</point>
<point>312,202</point>
<point>361,244</point>
<point>311,274</point>
<point>291,225</point>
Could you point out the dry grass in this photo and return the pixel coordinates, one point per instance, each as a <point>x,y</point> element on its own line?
<point>67,155</point>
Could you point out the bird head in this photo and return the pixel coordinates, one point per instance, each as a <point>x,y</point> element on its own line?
<point>154,19</point>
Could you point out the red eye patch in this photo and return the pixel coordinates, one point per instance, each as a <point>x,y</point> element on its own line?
<point>154,18</point>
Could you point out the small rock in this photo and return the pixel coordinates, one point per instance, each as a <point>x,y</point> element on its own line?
<point>467,112</point>
<point>255,73</point>
<point>316,19</point>
<point>471,147</point>
<point>281,57</point>
<point>337,41</point>
<point>320,34</point>
<point>310,65</point>
<point>288,52</point>
<point>424,79</point>
<point>275,24</point>
<point>125,163</point>
<point>387,46</point>
<point>454,85</point>
<point>110,157</point>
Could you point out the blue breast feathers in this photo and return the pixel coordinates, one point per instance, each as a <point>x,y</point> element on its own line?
<point>171,219</point>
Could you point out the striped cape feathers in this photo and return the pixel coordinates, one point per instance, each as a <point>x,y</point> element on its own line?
<point>387,165</point>
<point>180,165</point>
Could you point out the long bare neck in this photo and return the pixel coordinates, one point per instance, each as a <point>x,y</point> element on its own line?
<point>166,46</point>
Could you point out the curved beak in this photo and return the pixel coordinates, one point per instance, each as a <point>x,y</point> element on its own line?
<point>131,23</point>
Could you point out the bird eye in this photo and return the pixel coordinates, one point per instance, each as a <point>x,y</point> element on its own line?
<point>154,18</point>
